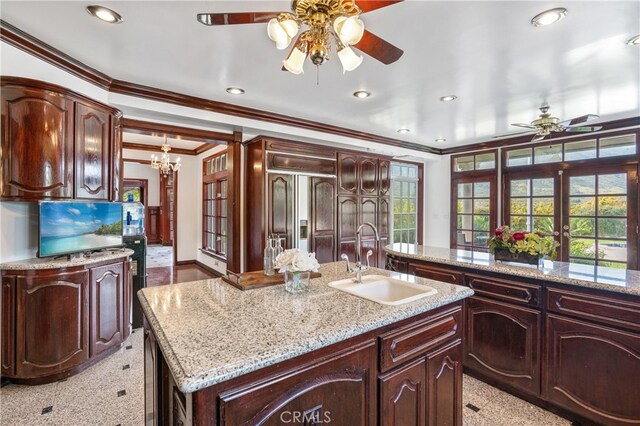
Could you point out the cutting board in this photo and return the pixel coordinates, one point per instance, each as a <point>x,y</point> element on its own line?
<point>257,279</point>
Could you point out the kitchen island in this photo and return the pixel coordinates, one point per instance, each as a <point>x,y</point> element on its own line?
<point>218,355</point>
<point>564,336</point>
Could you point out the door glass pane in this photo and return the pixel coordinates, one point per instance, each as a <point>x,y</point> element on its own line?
<point>612,184</point>
<point>519,223</point>
<point>465,190</point>
<point>464,206</point>
<point>542,187</point>
<point>543,206</point>
<point>612,228</point>
<point>543,224</point>
<point>582,247</point>
<point>582,206</point>
<point>547,154</point>
<point>610,205</point>
<point>582,227</point>
<point>617,145</point>
<point>481,206</point>
<point>582,185</point>
<point>464,221</point>
<point>481,222</point>
<point>519,157</point>
<point>581,150</point>
<point>486,161</point>
<point>481,189</point>
<point>520,188</point>
<point>480,238</point>
<point>519,206</point>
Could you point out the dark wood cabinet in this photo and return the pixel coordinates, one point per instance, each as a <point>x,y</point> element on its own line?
<point>52,327</point>
<point>92,140</point>
<point>384,177</point>
<point>150,377</point>
<point>168,212</point>
<point>593,370</point>
<point>348,174</point>
<point>280,210</point>
<point>347,225</point>
<point>444,385</point>
<point>37,144</point>
<point>153,229</point>
<point>57,322</point>
<point>368,176</point>
<point>340,388</point>
<point>57,144</point>
<point>322,234</point>
<point>435,273</point>
<point>107,316</point>
<point>503,341</point>
<point>403,395</point>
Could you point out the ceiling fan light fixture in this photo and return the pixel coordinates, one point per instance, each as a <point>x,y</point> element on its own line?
<point>349,60</point>
<point>349,29</point>
<point>295,62</point>
<point>279,32</point>
<point>549,17</point>
<point>104,14</point>
<point>634,41</point>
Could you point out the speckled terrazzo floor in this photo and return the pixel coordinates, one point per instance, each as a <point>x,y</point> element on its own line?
<point>91,398</point>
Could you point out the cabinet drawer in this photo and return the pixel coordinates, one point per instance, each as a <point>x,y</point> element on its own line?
<point>436,273</point>
<point>603,309</point>
<point>396,265</point>
<point>406,343</point>
<point>505,290</point>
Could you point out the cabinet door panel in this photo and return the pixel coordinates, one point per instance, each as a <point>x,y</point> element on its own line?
<point>444,378</point>
<point>8,325</point>
<point>402,395</point>
<point>92,152</point>
<point>106,307</point>
<point>384,177</point>
<point>323,218</point>
<point>348,174</point>
<point>53,334</point>
<point>37,144</point>
<point>593,370</point>
<point>503,342</point>
<point>339,389</point>
<point>116,162</point>
<point>368,176</point>
<point>368,213</point>
<point>347,218</point>
<point>280,192</point>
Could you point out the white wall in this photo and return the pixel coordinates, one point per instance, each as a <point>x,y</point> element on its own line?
<point>143,171</point>
<point>437,196</point>
<point>18,231</point>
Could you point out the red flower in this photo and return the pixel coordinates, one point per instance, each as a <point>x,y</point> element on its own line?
<point>518,236</point>
<point>498,231</point>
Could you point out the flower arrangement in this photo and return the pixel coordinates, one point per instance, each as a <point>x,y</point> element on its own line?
<point>297,260</point>
<point>532,243</point>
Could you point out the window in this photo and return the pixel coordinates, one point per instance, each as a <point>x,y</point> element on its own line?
<point>473,214</point>
<point>214,204</point>
<point>404,199</point>
<point>531,204</point>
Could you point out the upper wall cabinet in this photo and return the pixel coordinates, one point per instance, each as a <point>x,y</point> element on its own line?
<point>348,174</point>
<point>384,177</point>
<point>360,175</point>
<point>37,144</point>
<point>57,144</point>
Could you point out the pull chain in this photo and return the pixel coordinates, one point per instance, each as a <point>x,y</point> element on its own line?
<point>317,75</point>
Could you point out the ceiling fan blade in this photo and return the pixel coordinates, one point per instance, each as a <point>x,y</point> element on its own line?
<point>583,129</point>
<point>579,120</point>
<point>236,18</point>
<point>537,138</point>
<point>369,5</point>
<point>378,48</point>
<point>509,135</point>
<point>526,126</point>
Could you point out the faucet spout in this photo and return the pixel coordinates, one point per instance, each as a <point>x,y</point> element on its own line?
<point>359,241</point>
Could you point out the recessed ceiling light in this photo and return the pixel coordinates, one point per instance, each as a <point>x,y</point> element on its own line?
<point>361,94</point>
<point>104,14</point>
<point>441,140</point>
<point>448,98</point>
<point>403,130</point>
<point>235,91</point>
<point>634,41</point>
<point>549,17</point>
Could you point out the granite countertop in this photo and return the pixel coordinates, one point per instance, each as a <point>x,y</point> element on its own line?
<point>602,278</point>
<point>50,263</point>
<point>210,332</point>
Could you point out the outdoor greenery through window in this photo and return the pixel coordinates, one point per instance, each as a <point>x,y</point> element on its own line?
<point>531,205</point>
<point>473,201</point>
<point>404,199</point>
<point>214,204</point>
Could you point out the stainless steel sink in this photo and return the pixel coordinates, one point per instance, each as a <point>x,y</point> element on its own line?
<point>384,290</point>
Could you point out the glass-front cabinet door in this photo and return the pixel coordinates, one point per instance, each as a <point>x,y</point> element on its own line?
<point>598,228</point>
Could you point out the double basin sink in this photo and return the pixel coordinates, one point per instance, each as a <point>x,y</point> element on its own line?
<point>384,290</point>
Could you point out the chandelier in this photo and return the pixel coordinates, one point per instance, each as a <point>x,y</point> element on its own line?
<point>163,163</point>
<point>328,20</point>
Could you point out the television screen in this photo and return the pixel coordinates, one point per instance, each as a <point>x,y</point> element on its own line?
<point>70,227</point>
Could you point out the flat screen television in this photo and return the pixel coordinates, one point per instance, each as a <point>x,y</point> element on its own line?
<point>66,227</point>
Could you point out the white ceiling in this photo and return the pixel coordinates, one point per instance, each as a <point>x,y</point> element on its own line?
<point>159,140</point>
<point>487,53</point>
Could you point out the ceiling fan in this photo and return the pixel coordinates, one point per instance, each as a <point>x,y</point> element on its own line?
<point>545,125</point>
<point>327,20</point>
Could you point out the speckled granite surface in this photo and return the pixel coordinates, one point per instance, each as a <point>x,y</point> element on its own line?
<point>210,332</point>
<point>602,278</point>
<point>49,263</point>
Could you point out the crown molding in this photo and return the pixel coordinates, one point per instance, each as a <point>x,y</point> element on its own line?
<point>187,133</point>
<point>36,47</point>
<point>156,149</point>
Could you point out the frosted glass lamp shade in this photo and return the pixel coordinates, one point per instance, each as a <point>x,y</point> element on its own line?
<point>349,60</point>
<point>350,30</point>
<point>295,61</point>
<point>278,34</point>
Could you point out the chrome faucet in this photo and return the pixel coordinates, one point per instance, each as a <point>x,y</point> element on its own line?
<point>358,269</point>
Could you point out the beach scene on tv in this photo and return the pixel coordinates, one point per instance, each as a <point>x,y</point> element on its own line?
<point>75,227</point>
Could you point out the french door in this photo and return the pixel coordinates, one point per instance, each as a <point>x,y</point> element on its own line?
<point>592,213</point>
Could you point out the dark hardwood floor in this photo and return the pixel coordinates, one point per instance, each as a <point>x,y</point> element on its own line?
<point>176,274</point>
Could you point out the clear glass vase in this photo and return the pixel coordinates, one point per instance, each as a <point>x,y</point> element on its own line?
<point>296,282</point>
